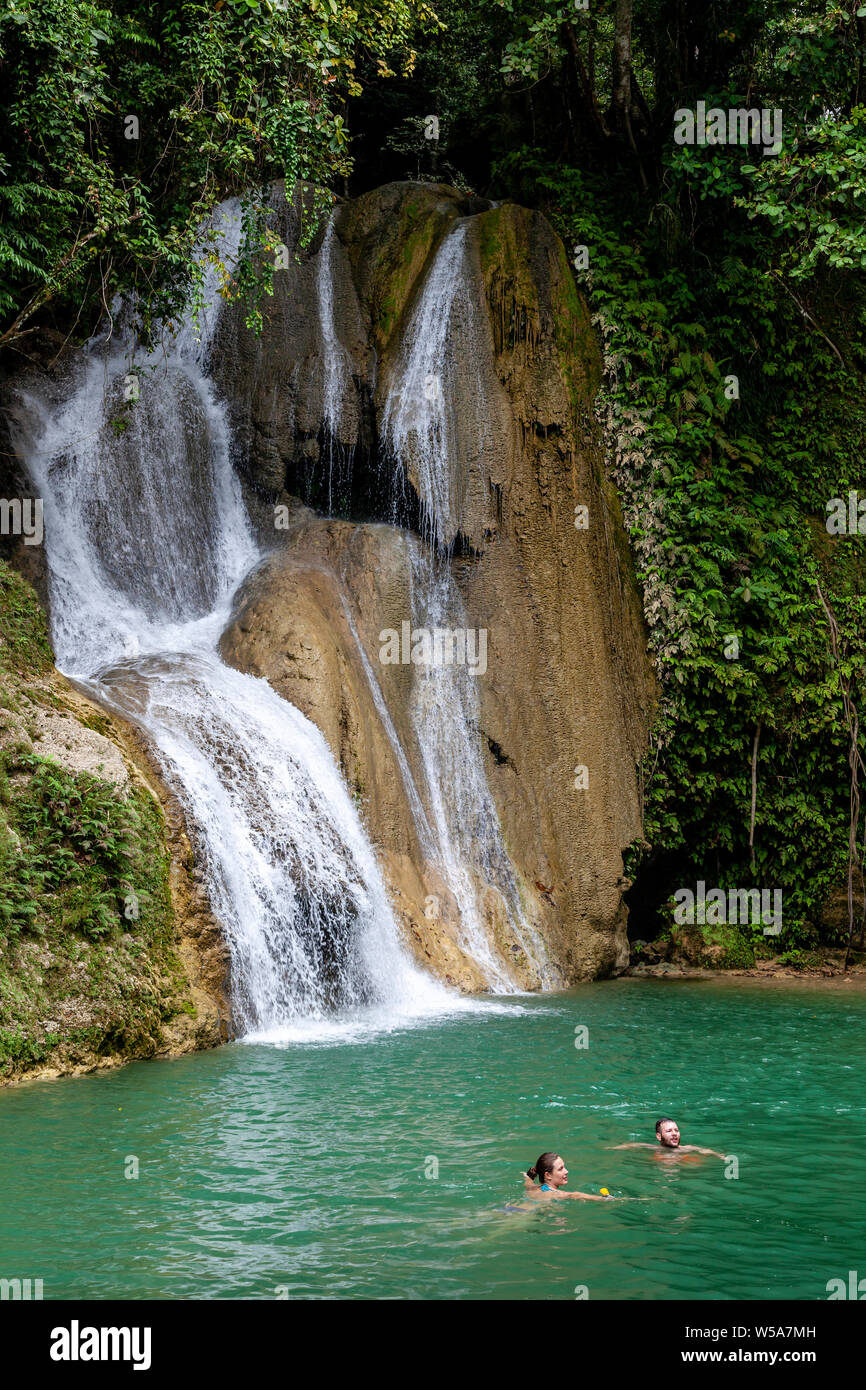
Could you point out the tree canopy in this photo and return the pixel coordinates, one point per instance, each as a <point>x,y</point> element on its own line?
<point>123,125</point>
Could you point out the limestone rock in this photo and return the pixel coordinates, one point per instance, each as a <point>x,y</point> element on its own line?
<point>568,684</point>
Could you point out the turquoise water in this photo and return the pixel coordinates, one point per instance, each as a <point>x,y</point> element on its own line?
<point>299,1170</point>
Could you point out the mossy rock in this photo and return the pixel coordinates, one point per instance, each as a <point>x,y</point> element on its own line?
<point>712,946</point>
<point>25,647</point>
<point>533,294</point>
<point>390,235</point>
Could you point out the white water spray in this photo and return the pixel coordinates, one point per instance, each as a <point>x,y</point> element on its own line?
<point>336,362</point>
<point>418,419</point>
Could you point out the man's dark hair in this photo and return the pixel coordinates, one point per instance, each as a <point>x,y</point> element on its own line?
<point>665,1120</point>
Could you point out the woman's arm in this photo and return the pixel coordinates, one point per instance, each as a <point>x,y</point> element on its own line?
<point>586,1196</point>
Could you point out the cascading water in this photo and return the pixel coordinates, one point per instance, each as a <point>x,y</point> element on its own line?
<point>147,539</point>
<point>336,363</point>
<point>419,432</point>
<point>419,815</point>
<point>445,719</point>
<point>336,366</point>
<point>418,419</point>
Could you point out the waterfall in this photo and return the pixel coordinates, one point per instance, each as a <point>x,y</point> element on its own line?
<point>419,815</point>
<point>419,429</point>
<point>417,419</point>
<point>445,719</point>
<point>292,876</point>
<point>147,540</point>
<point>336,365</point>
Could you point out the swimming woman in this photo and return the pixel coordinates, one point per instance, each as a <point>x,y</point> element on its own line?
<point>551,1175</point>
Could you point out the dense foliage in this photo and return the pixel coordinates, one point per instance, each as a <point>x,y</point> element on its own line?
<point>726,282</point>
<point>123,125</point>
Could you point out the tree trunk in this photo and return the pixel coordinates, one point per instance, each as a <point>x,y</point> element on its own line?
<point>621,99</point>
<point>585,87</point>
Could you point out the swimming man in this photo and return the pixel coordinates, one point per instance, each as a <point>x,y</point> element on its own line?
<point>668,1138</point>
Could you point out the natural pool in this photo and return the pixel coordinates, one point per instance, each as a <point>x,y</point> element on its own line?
<point>300,1169</point>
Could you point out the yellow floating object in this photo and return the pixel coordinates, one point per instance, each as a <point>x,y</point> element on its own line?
<point>604,1192</point>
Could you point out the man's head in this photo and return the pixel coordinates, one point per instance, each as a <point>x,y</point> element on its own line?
<point>668,1133</point>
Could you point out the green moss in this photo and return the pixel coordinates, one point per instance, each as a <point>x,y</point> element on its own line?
<point>490,247</point>
<point>77,852</point>
<point>100,723</point>
<point>717,946</point>
<point>403,256</point>
<point>25,648</point>
<point>399,280</point>
<point>80,856</point>
<point>531,290</point>
<point>84,887</point>
<point>842,559</point>
<point>15,1046</point>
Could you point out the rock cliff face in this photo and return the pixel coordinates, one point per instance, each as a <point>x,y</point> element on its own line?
<point>559,717</point>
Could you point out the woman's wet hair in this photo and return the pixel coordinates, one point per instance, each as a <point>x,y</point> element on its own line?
<point>541,1167</point>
